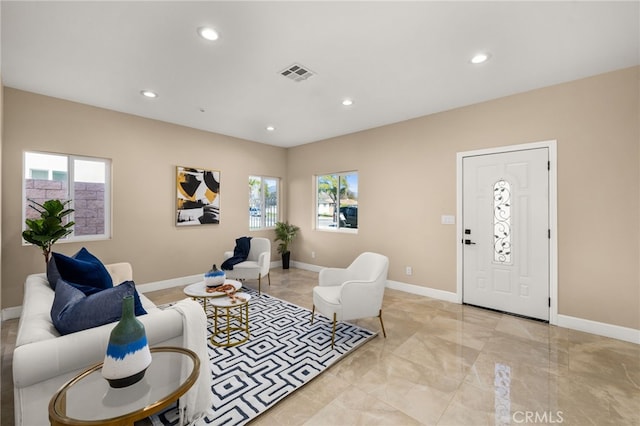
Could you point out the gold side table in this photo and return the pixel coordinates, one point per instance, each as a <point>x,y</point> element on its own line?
<point>87,399</point>
<point>230,320</point>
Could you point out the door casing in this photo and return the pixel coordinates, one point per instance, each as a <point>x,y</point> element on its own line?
<point>553,216</point>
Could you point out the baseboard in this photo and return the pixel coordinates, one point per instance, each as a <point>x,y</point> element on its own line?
<point>15,311</point>
<point>396,285</point>
<point>433,293</point>
<point>173,282</point>
<point>305,266</point>
<point>11,313</point>
<point>627,334</point>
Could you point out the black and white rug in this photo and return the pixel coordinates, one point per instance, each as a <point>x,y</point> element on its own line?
<point>283,353</point>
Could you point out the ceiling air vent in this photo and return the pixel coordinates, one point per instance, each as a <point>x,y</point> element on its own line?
<point>297,72</point>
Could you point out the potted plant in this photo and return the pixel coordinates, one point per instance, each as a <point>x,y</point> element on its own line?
<point>285,232</point>
<point>49,228</point>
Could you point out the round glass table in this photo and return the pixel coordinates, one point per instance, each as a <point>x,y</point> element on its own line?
<point>87,399</point>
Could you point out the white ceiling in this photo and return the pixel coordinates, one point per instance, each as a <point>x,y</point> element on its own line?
<point>397,60</point>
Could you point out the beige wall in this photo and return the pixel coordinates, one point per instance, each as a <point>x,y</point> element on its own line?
<point>407,175</point>
<point>144,156</point>
<point>407,180</point>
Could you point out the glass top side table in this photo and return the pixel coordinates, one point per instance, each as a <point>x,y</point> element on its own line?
<point>87,399</point>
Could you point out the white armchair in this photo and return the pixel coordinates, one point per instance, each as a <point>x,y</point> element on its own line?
<point>257,264</point>
<point>354,292</point>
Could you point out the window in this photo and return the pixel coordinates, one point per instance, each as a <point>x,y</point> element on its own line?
<point>39,174</point>
<point>84,180</point>
<point>337,201</point>
<point>263,202</point>
<point>502,222</point>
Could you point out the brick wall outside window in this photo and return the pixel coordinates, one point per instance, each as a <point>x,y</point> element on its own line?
<point>88,202</point>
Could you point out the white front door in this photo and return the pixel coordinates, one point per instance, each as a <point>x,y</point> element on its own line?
<point>505,232</point>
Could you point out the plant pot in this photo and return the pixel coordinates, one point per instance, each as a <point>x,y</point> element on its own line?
<point>285,260</point>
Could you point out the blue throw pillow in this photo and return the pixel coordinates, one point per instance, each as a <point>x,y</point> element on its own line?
<point>52,272</point>
<point>83,269</point>
<point>137,303</point>
<point>74,311</point>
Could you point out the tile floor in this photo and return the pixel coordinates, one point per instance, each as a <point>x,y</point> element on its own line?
<point>445,364</point>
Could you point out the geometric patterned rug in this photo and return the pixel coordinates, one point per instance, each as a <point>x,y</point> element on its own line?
<point>283,353</point>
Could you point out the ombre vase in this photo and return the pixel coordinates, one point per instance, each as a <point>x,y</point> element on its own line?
<point>214,277</point>
<point>128,354</point>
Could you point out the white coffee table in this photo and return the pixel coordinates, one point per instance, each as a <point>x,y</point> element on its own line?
<point>199,291</point>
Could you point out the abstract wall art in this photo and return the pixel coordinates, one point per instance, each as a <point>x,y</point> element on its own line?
<point>198,196</point>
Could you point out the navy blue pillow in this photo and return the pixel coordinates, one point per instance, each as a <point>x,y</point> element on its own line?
<point>88,291</point>
<point>52,272</point>
<point>74,311</point>
<point>82,269</point>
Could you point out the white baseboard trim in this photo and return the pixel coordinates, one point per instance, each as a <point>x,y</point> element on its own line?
<point>397,285</point>
<point>626,334</point>
<point>11,313</point>
<point>15,311</point>
<point>173,282</point>
<point>433,293</point>
<point>305,266</point>
<point>600,328</point>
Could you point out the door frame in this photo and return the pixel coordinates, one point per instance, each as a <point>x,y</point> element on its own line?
<point>553,216</point>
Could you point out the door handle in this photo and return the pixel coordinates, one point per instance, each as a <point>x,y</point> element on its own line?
<point>468,242</point>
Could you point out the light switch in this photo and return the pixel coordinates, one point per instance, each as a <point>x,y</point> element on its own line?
<point>448,219</point>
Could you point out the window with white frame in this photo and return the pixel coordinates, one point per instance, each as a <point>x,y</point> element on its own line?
<point>83,180</point>
<point>337,201</point>
<point>264,206</point>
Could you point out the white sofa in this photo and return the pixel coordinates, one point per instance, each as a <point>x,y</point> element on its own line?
<point>43,360</point>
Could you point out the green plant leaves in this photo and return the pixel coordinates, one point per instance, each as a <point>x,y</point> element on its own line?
<point>50,227</point>
<point>285,232</point>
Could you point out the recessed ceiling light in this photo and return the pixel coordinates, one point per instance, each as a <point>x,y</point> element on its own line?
<point>480,58</point>
<point>347,102</point>
<point>148,93</point>
<point>270,128</point>
<point>208,33</point>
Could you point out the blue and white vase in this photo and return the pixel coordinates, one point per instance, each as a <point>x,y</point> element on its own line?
<point>214,277</point>
<point>128,354</point>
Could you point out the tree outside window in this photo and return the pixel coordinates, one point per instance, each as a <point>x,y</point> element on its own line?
<point>263,202</point>
<point>337,201</point>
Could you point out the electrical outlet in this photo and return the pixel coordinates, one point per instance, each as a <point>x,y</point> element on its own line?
<point>313,254</point>
<point>408,270</point>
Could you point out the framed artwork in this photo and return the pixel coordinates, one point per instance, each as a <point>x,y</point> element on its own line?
<point>198,196</point>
